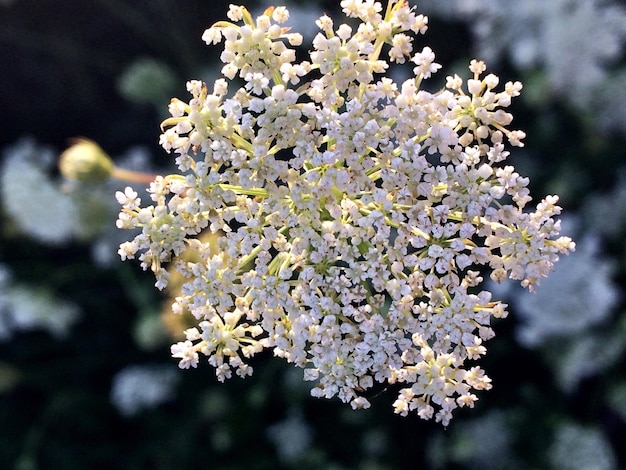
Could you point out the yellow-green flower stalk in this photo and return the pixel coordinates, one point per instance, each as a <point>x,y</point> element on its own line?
<point>86,162</point>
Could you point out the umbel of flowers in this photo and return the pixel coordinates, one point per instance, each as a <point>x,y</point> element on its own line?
<point>353,218</point>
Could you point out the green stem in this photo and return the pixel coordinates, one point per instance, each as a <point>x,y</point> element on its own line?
<point>247,191</point>
<point>132,176</point>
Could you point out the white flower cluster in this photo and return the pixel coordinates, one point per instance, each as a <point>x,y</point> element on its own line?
<point>352,216</point>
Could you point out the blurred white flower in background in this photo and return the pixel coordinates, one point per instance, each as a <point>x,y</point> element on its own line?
<point>609,103</point>
<point>292,437</point>
<point>617,399</point>
<point>26,308</point>
<point>575,40</point>
<point>572,318</point>
<point>586,355</point>
<point>577,295</point>
<point>375,442</point>
<point>52,211</point>
<point>576,43</point>
<point>140,387</point>
<point>576,447</point>
<point>484,442</point>
<point>33,202</point>
<point>599,210</point>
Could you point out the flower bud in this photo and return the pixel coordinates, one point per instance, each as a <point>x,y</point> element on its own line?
<point>86,162</point>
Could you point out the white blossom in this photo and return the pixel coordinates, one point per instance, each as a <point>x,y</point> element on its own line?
<point>350,216</point>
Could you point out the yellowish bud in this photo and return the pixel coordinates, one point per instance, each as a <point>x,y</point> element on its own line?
<point>85,161</point>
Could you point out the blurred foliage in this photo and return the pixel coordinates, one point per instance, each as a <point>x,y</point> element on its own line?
<point>74,68</point>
